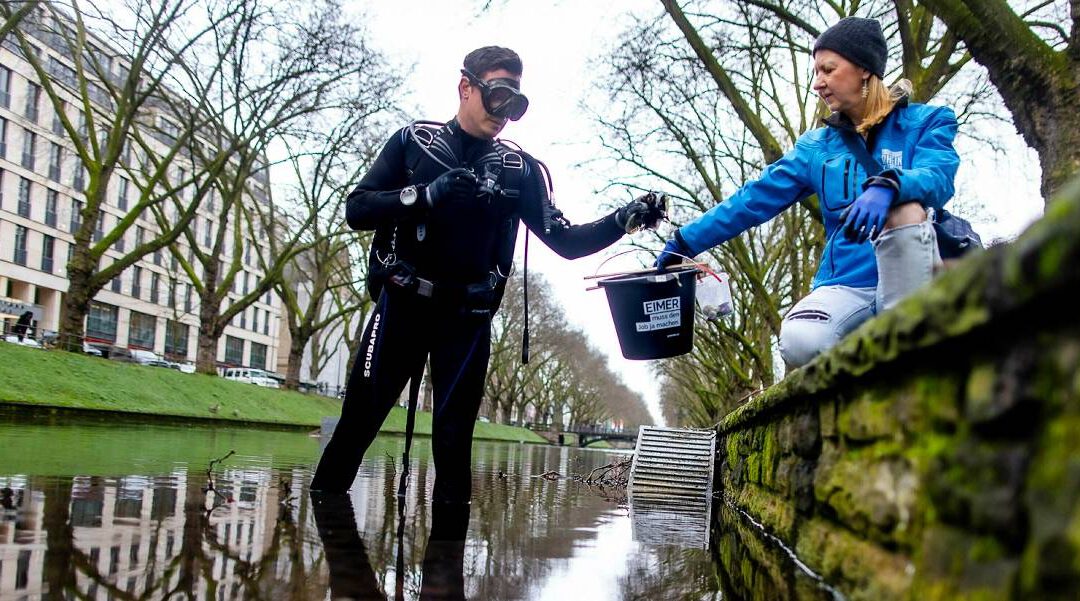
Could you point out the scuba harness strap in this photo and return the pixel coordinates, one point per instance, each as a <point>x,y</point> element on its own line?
<point>410,424</point>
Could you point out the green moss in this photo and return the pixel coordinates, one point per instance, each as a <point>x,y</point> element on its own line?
<point>775,512</point>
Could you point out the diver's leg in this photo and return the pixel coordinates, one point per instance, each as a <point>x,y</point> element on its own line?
<point>459,360</point>
<point>391,350</point>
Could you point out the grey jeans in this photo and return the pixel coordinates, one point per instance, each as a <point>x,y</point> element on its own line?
<point>906,258</point>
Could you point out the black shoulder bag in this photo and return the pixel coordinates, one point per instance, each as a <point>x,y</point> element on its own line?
<point>955,236</point>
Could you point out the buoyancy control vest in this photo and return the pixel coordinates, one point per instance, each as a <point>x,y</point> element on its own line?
<point>403,251</point>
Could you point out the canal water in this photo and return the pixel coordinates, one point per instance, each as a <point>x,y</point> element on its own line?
<point>108,509</point>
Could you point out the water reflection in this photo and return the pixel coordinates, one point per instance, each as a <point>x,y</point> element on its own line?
<point>143,527</point>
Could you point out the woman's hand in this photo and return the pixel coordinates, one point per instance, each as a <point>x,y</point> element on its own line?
<point>865,218</point>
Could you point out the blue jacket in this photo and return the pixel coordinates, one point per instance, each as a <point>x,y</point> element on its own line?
<point>915,146</point>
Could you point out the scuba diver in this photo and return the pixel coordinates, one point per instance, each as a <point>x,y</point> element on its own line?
<point>445,202</point>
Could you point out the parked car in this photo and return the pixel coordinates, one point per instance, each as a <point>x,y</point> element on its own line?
<point>144,357</point>
<point>26,341</point>
<point>187,367</point>
<point>248,375</point>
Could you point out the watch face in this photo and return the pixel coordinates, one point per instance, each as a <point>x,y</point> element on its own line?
<point>408,195</point>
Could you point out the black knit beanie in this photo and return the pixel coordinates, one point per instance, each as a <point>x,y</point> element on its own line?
<point>858,40</point>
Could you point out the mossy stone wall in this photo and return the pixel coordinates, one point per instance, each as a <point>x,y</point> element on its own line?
<point>935,453</point>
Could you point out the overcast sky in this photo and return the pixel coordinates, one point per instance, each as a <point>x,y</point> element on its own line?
<point>556,42</point>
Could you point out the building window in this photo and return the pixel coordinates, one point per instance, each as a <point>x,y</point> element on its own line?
<point>157,257</point>
<point>234,350</point>
<point>3,138</point>
<point>258,355</point>
<point>99,228</point>
<point>140,235</point>
<point>78,181</point>
<point>101,321</point>
<point>122,195</point>
<point>47,247</point>
<point>187,299</point>
<point>57,121</point>
<point>141,331</point>
<point>136,281</point>
<point>5,87</point>
<point>29,143</point>
<point>20,244</point>
<point>181,175</point>
<point>76,215</point>
<point>170,301</point>
<point>208,233</point>
<point>33,99</point>
<point>24,197</point>
<point>155,287</point>
<point>56,157</point>
<point>243,319</point>
<point>116,285</point>
<point>52,200</point>
<point>266,323</point>
<point>176,340</point>
<point>119,245</point>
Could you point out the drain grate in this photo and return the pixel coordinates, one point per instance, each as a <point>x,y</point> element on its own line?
<point>670,488</point>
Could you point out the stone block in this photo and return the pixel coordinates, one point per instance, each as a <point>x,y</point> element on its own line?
<point>867,418</point>
<point>1002,399</point>
<point>860,569</point>
<point>870,491</point>
<point>954,564</point>
<point>978,486</point>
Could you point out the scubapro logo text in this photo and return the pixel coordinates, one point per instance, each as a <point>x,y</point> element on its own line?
<point>371,346</point>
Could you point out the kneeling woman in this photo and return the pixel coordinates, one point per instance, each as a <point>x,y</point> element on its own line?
<point>877,166</point>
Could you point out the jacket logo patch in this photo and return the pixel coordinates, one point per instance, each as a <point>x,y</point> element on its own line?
<point>892,159</point>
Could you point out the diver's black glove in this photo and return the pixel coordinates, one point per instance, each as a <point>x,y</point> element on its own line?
<point>456,183</point>
<point>645,211</point>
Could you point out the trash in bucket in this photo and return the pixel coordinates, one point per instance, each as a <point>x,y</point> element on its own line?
<point>714,296</point>
<point>653,312</point>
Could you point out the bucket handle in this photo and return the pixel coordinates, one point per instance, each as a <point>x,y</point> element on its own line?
<point>699,264</point>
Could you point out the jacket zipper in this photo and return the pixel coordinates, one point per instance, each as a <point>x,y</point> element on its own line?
<point>847,165</point>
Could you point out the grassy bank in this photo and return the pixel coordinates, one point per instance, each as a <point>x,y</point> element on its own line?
<point>56,379</point>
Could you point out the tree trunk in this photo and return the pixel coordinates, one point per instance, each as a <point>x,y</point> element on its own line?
<point>1040,85</point>
<point>296,359</point>
<point>206,356</point>
<point>76,301</point>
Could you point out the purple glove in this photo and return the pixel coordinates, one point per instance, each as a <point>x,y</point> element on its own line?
<point>865,218</point>
<point>673,253</point>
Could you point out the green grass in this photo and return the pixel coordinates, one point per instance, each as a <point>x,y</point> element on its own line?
<point>57,379</point>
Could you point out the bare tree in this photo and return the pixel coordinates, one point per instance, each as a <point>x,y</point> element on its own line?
<point>117,100</point>
<point>566,381</point>
<point>14,13</point>
<point>292,65</point>
<point>325,272</point>
<point>1032,52</point>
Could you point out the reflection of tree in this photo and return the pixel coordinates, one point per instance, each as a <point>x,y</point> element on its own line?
<point>59,543</point>
<point>520,524</point>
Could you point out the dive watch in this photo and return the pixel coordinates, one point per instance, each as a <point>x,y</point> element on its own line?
<point>408,195</point>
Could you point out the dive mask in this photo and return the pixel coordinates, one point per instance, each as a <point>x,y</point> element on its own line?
<point>501,96</point>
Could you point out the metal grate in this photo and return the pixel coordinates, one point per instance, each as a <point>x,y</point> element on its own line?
<point>671,483</point>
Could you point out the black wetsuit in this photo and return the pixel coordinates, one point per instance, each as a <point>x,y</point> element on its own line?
<point>458,246</point>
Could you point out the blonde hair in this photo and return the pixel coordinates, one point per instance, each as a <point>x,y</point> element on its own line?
<point>880,101</point>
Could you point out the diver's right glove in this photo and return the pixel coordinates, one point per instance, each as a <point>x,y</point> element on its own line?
<point>456,183</point>
<point>674,252</point>
<point>645,211</point>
